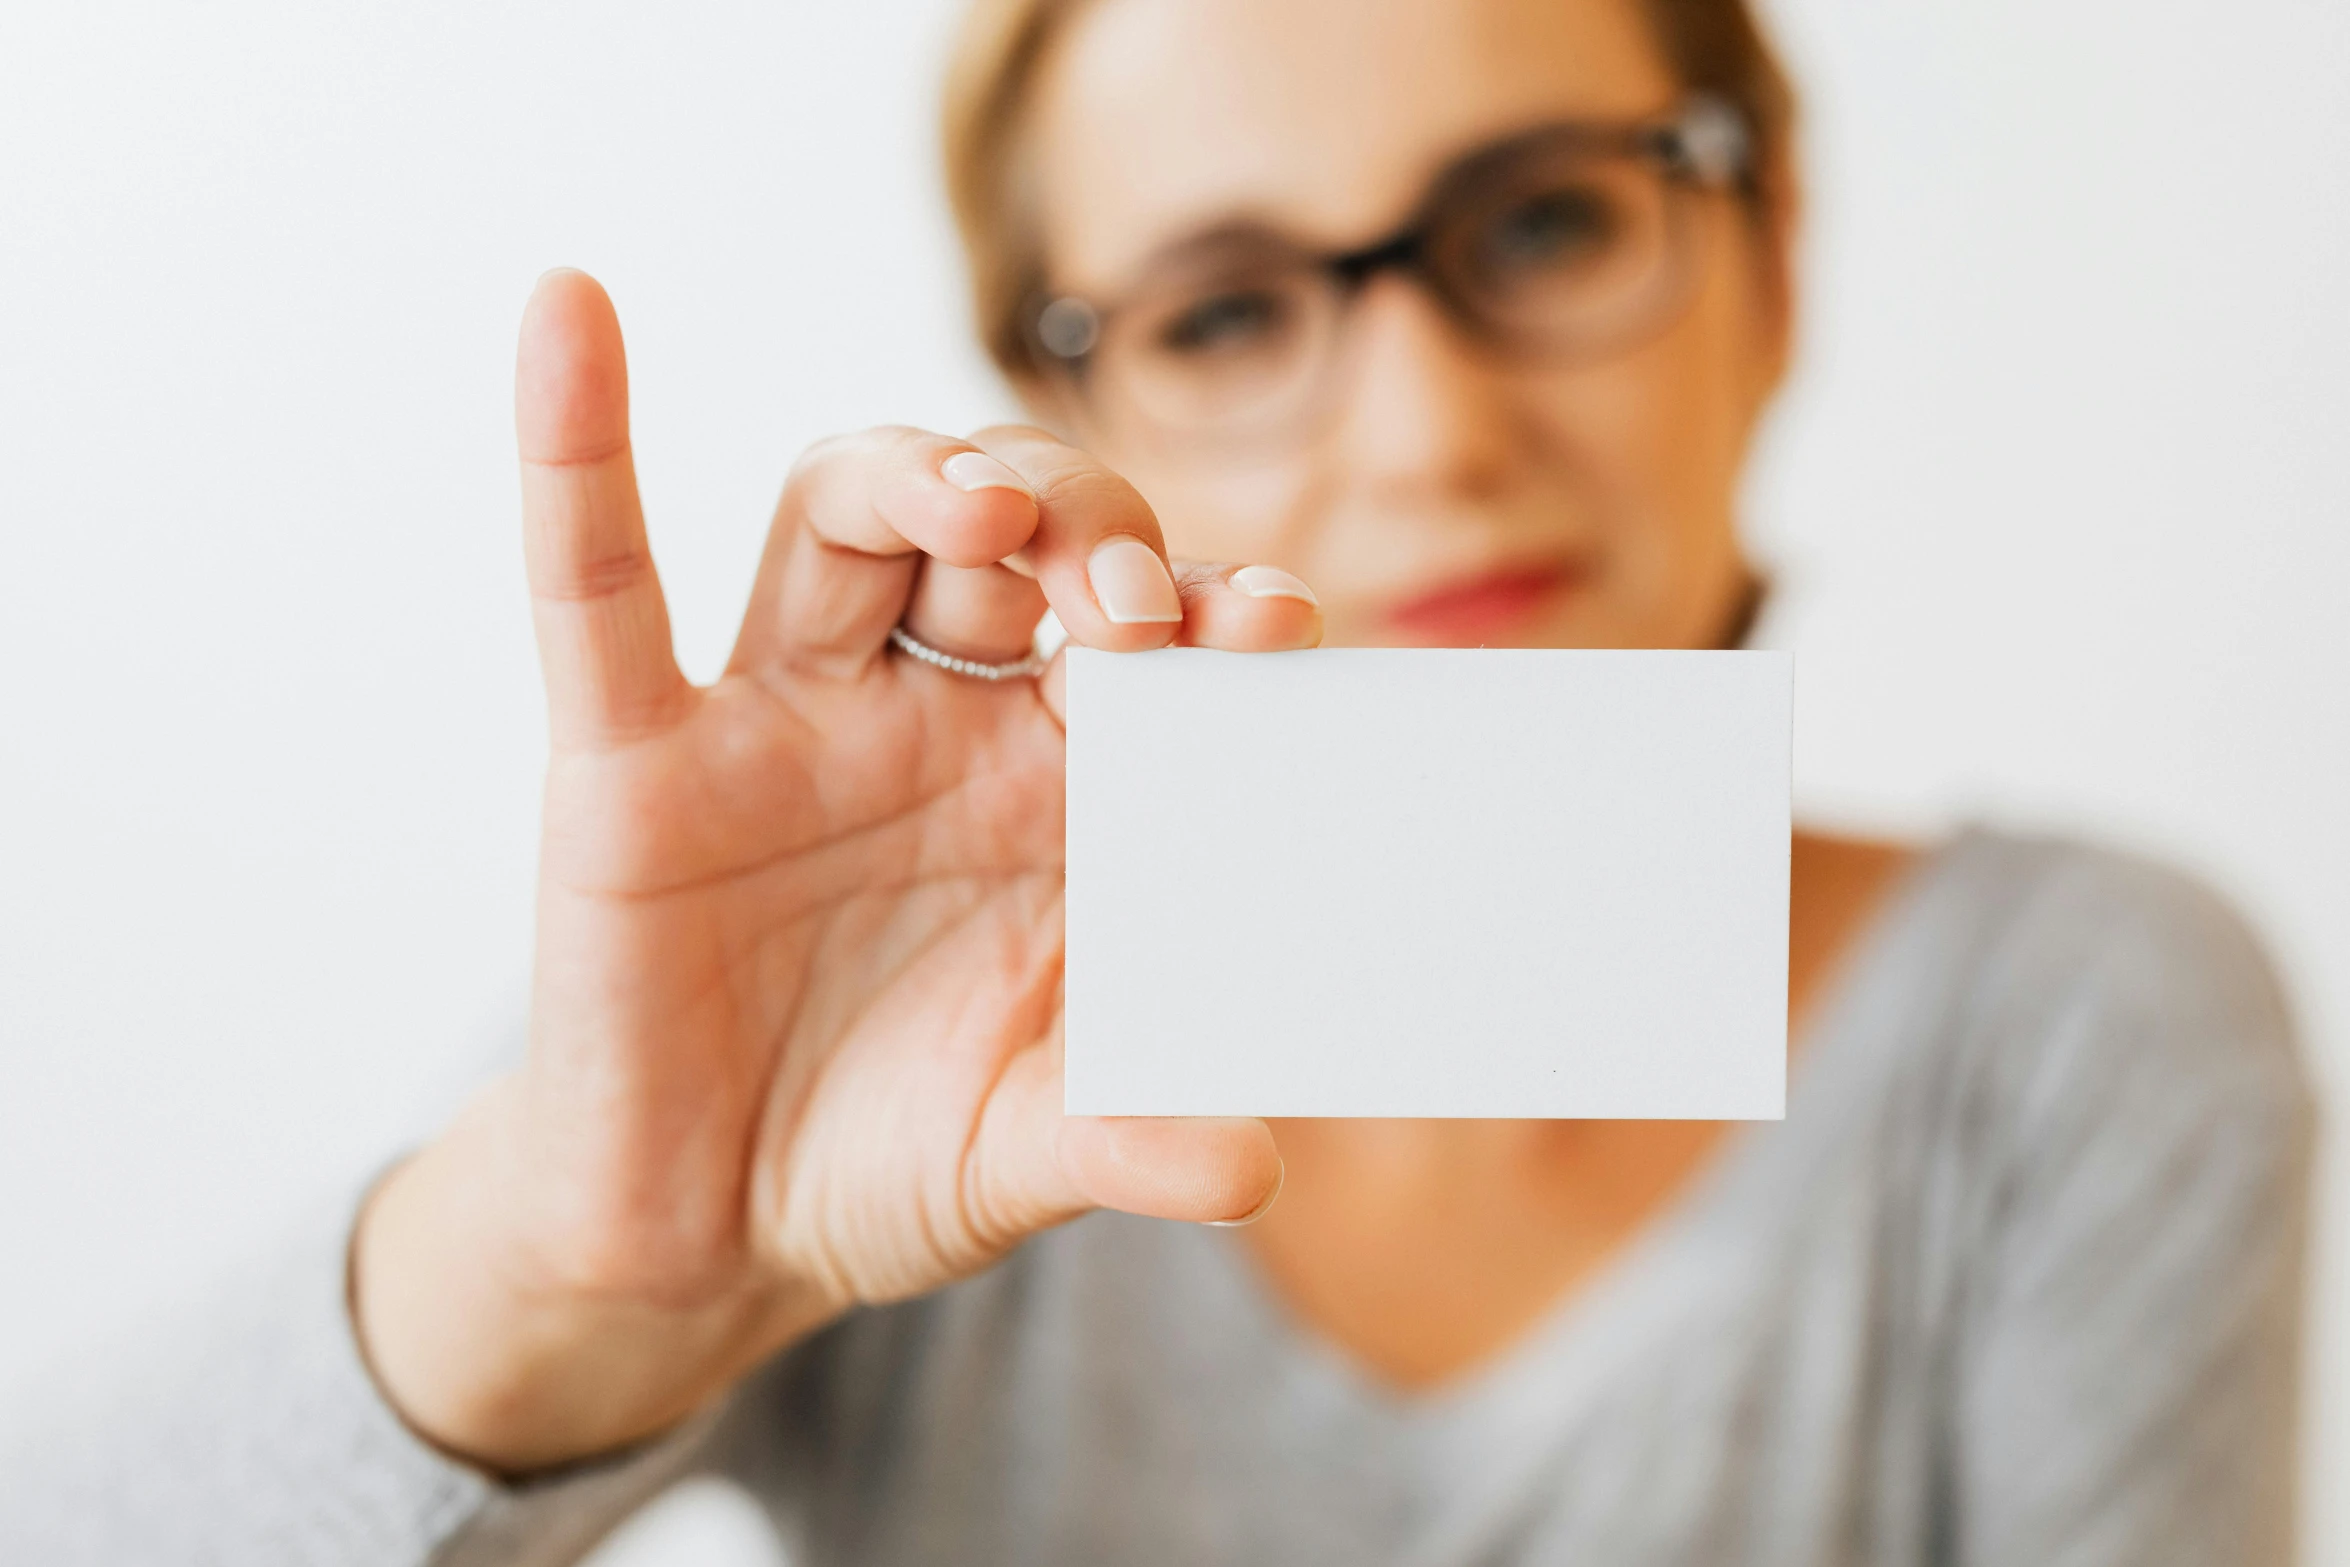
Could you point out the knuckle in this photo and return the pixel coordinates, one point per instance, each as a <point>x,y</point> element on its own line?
<point>874,444</point>
<point>593,579</point>
<point>1082,485</point>
<point>1018,434</point>
<point>815,458</point>
<point>1057,470</point>
<point>1194,578</point>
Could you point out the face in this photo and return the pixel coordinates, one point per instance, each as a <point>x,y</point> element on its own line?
<point>1446,493</point>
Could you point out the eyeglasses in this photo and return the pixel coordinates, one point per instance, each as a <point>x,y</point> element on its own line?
<point>1566,242</point>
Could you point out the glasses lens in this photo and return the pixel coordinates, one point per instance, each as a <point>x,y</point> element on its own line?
<point>1224,350</point>
<point>1562,244</point>
<point>1564,251</point>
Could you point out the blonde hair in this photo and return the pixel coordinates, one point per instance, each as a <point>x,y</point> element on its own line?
<point>1712,46</point>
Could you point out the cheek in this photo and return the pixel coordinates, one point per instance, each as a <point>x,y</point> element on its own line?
<point>1226,509</point>
<point>1659,433</point>
<point>1648,433</point>
<point>1650,444</point>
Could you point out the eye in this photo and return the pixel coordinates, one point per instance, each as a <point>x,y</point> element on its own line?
<point>1224,322</point>
<point>1554,229</point>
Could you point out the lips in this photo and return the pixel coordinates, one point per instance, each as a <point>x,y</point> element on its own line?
<point>1486,608</point>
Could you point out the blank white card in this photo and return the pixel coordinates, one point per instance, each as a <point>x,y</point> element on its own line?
<point>1428,883</point>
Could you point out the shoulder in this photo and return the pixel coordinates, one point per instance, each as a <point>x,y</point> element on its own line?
<point>2115,1178</point>
<point>2063,928</point>
<point>2103,999</point>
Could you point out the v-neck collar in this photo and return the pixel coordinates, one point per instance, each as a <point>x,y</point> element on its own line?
<point>1647,1287</point>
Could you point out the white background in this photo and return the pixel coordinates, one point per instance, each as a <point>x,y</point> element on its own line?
<point>2060,500</point>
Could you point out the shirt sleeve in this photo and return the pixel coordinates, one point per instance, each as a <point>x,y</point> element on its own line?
<point>256,1436</point>
<point>2126,1387</point>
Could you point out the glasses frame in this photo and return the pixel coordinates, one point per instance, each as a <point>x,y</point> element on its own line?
<point>1703,145</point>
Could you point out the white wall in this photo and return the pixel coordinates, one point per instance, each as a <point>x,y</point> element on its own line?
<point>2062,498</point>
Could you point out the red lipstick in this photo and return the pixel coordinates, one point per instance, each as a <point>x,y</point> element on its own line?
<point>1487,608</point>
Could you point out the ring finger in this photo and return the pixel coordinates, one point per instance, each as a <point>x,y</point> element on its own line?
<point>986,613</point>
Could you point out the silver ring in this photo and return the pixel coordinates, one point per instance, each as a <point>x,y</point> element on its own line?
<point>1020,669</point>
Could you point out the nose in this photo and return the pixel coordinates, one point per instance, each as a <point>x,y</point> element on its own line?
<point>1424,415</point>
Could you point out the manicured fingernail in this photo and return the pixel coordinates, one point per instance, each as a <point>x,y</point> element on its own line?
<point>978,471</point>
<point>1271,582</point>
<point>1132,583</point>
<point>1260,1210</point>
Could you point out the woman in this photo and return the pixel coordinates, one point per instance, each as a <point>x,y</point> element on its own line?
<point>1463,314</point>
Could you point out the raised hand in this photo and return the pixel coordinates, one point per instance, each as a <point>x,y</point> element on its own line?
<point>795,1019</point>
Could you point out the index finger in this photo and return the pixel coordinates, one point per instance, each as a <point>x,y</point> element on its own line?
<point>603,626</point>
<point>1097,551</point>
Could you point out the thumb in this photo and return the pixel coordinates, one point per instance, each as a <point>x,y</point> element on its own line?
<point>1031,1167</point>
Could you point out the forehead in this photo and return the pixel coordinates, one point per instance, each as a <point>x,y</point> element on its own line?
<point>1155,118</point>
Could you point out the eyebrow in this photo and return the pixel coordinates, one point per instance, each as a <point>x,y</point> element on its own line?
<point>1227,236</point>
<point>1240,232</point>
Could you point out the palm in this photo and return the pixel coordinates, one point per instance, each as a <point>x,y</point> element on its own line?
<point>819,909</point>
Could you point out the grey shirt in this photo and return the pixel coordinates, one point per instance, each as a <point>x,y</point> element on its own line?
<point>2016,1281</point>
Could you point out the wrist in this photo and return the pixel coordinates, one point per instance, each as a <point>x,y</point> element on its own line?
<point>490,1358</point>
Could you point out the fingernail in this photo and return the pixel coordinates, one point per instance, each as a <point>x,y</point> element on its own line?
<point>1260,1210</point>
<point>1271,582</point>
<point>1132,583</point>
<point>978,471</point>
